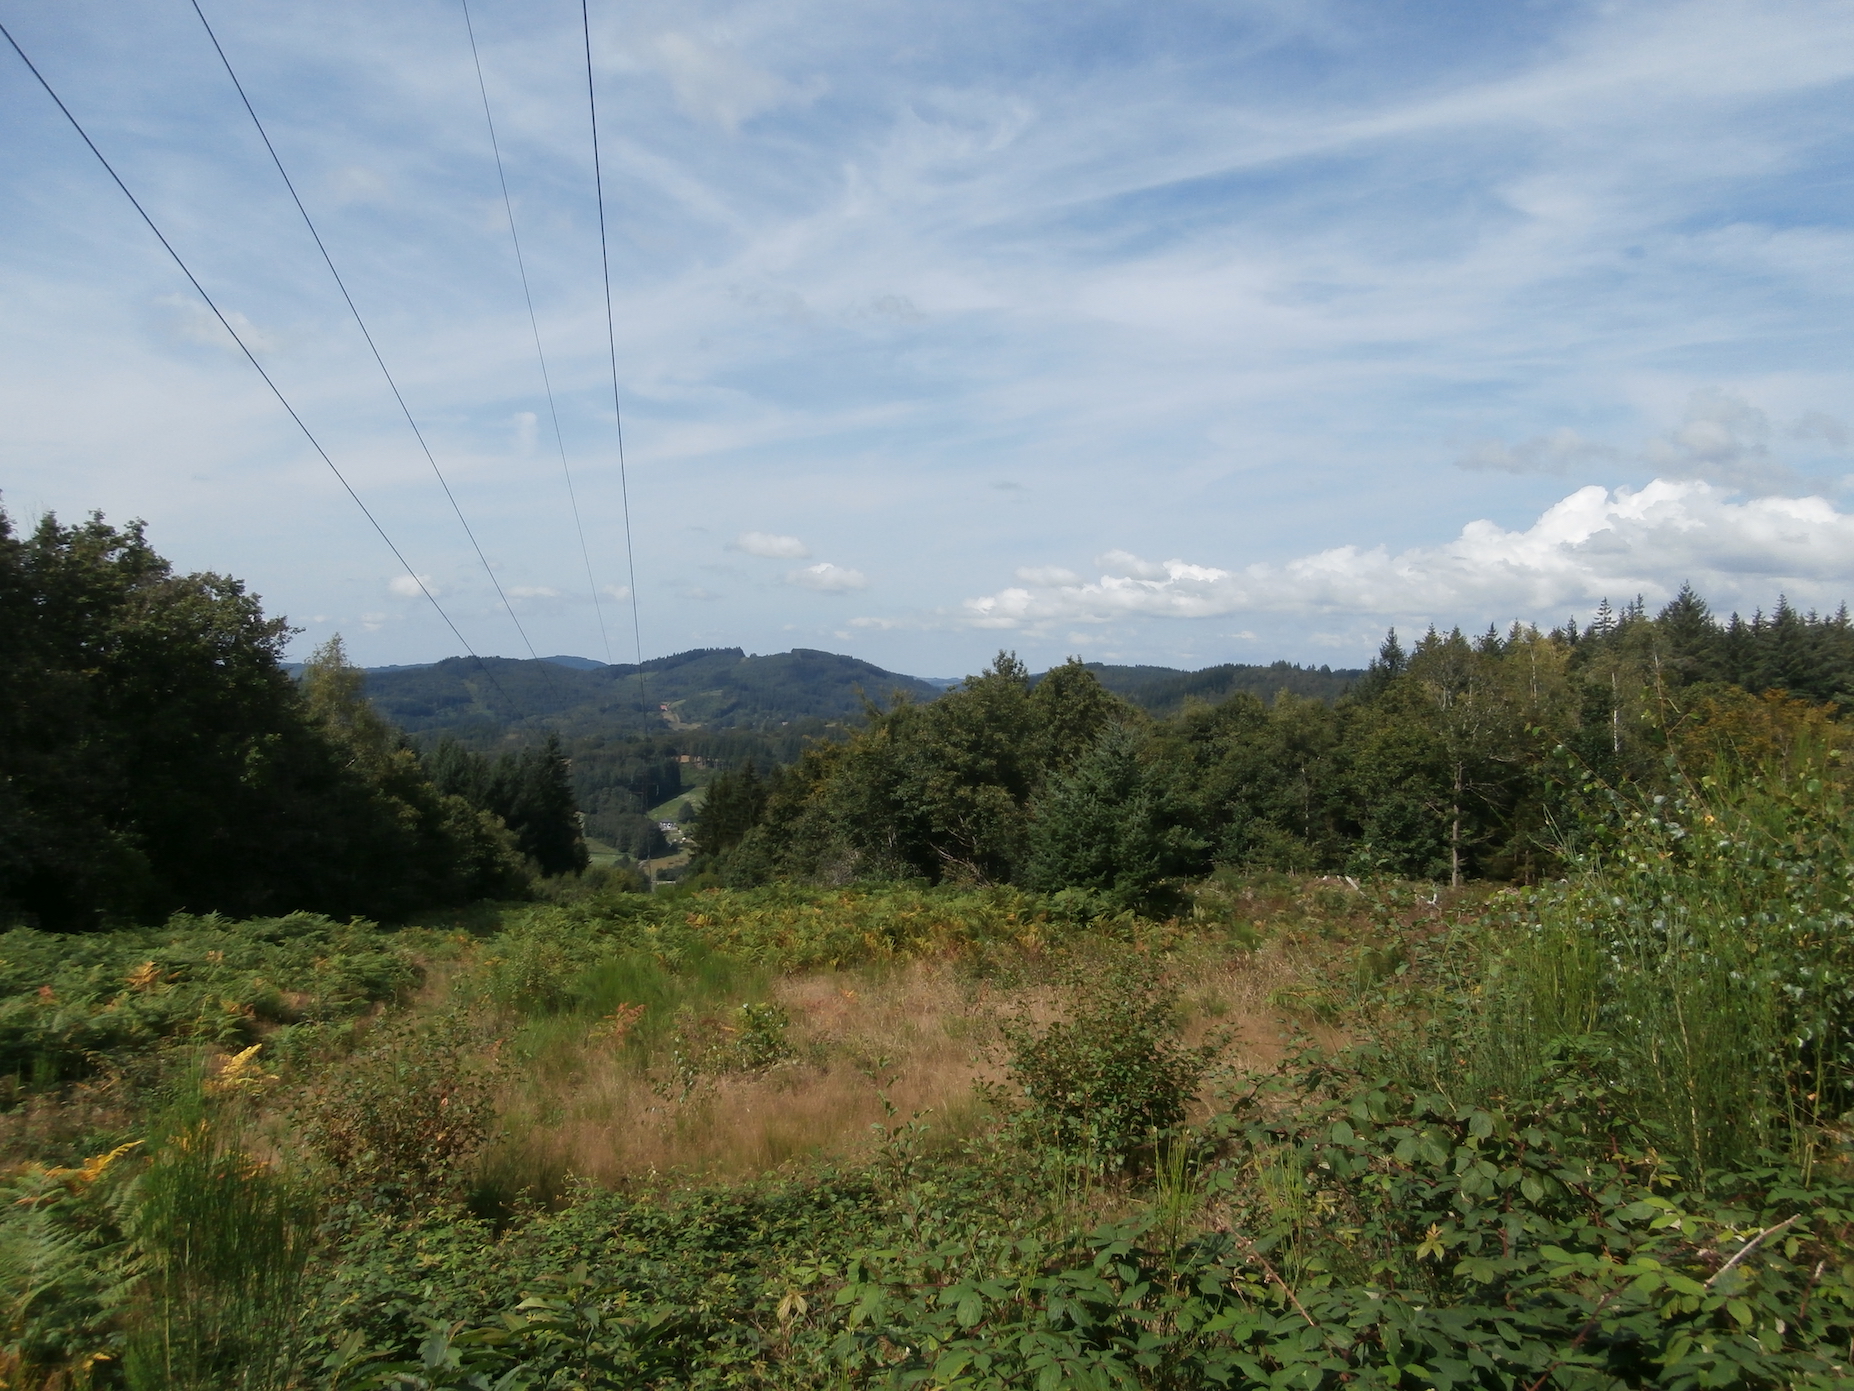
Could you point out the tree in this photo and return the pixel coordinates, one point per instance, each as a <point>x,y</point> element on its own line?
<point>530,792</point>
<point>733,806</point>
<point>408,844</point>
<point>1105,825</point>
<point>155,755</point>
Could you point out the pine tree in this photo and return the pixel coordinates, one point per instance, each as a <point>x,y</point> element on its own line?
<point>545,817</point>
<point>734,805</point>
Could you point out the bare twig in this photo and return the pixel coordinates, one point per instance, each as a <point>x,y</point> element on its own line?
<point>1275,1275</point>
<point>1751,1246</point>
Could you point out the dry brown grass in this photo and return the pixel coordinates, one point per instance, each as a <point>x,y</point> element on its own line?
<point>921,1033</point>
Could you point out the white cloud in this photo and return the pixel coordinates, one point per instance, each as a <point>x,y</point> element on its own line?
<point>719,86</point>
<point>1818,426</point>
<point>827,578</point>
<point>408,586</point>
<point>616,591</point>
<point>533,591</point>
<point>192,321</point>
<point>1722,438</point>
<point>1592,544</point>
<point>770,547</point>
<point>356,184</point>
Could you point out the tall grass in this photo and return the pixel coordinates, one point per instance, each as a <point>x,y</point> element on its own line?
<point>1702,959</point>
<point>222,1240</point>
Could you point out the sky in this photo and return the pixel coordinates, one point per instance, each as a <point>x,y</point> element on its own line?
<point>1176,334</point>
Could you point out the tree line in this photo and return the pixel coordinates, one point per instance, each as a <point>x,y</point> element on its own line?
<point>1450,760</point>
<point>156,756</point>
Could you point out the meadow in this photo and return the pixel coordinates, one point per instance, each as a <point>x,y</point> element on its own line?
<point>1301,1131</point>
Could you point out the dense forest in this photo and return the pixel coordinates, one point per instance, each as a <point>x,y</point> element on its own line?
<point>726,709</point>
<point>1166,690</point>
<point>155,756</point>
<point>1450,760</point>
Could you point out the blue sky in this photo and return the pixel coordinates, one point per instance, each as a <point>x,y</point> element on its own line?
<point>1179,334</point>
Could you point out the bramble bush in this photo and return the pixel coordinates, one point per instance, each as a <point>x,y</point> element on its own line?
<point>401,1121</point>
<point>1111,1075</point>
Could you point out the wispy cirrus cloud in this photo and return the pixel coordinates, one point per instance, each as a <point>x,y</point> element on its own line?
<point>1242,291</point>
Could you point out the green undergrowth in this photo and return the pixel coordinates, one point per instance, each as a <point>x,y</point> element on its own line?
<point>1594,1135</point>
<point>74,1005</point>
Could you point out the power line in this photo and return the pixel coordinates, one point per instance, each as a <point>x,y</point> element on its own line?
<point>243,347</point>
<point>353,309</point>
<point>611,340</point>
<point>534,325</point>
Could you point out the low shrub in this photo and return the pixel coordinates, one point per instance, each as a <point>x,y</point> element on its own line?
<point>1111,1075</point>
<point>401,1122</point>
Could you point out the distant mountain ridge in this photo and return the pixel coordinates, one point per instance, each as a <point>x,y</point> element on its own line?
<point>722,688</point>
<point>714,688</point>
<point>1165,691</point>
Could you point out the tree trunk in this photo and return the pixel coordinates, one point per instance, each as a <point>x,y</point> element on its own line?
<point>1454,836</point>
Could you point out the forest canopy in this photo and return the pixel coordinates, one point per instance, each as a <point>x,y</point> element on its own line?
<point>1450,760</point>
<point>156,756</point>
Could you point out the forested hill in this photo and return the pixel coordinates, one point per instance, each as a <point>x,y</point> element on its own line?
<point>715,687</point>
<point>724,688</point>
<point>1165,691</point>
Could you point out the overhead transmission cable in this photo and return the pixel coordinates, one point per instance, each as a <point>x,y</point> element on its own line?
<point>534,324</point>
<point>611,340</point>
<point>373,347</point>
<point>243,347</point>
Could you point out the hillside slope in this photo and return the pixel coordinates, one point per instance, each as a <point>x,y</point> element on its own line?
<point>1165,691</point>
<point>716,688</point>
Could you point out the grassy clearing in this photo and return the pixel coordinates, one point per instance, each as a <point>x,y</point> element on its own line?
<point>1308,1131</point>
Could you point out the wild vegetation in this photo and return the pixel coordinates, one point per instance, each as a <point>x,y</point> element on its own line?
<point>1453,760</point>
<point>1491,1026</point>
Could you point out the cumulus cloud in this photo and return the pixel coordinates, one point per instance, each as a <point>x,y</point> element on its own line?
<point>1594,543</point>
<point>533,591</point>
<point>616,591</point>
<point>827,578</point>
<point>769,546</point>
<point>413,586</point>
